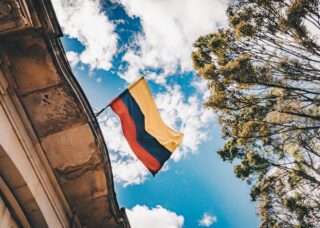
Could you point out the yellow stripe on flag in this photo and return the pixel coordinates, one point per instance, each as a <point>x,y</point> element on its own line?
<point>154,124</point>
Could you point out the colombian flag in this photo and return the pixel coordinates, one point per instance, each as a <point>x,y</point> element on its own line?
<point>148,136</point>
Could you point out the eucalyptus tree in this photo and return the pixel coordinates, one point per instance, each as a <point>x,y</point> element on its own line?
<point>263,73</point>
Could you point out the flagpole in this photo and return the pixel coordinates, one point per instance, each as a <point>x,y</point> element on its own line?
<point>129,87</point>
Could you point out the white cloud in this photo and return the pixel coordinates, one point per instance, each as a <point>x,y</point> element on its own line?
<point>207,220</point>
<point>202,88</point>
<point>169,29</point>
<point>73,58</point>
<point>85,21</point>
<point>182,114</point>
<point>158,217</point>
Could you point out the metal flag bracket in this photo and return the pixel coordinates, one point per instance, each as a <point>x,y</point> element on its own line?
<point>103,109</point>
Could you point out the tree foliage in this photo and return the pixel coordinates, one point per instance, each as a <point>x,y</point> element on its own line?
<point>263,72</point>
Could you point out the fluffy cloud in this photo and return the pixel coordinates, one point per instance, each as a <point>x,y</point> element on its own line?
<point>207,220</point>
<point>169,29</point>
<point>85,21</point>
<point>202,88</point>
<point>183,114</point>
<point>158,217</point>
<point>73,58</point>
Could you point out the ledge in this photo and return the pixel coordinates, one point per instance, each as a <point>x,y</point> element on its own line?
<point>58,114</point>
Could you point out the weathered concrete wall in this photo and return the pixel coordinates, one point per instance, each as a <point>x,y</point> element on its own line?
<point>53,138</point>
<point>23,171</point>
<point>6,219</point>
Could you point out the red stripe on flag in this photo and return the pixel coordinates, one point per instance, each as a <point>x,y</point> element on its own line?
<point>129,131</point>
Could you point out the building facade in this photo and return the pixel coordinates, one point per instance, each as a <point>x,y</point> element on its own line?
<point>54,165</point>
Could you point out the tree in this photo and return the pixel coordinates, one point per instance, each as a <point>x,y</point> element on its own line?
<point>263,72</point>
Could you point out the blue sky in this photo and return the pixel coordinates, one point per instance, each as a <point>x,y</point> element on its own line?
<point>109,45</point>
